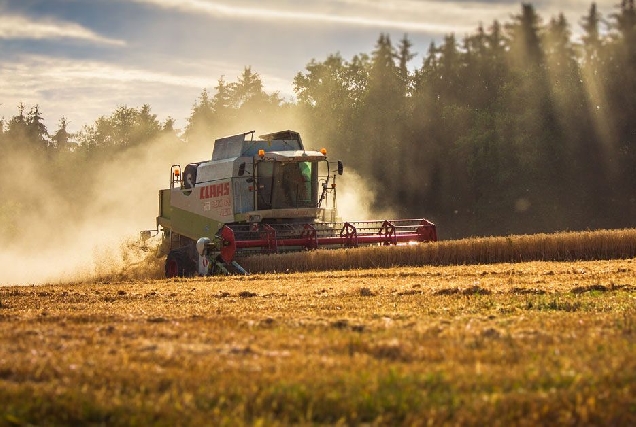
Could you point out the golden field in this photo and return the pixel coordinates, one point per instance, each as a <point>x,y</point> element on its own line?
<point>530,343</point>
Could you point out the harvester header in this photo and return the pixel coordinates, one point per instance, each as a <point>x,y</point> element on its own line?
<point>262,195</point>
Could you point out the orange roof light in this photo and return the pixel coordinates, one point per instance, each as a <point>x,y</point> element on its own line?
<point>176,172</point>
<point>323,151</point>
<point>261,153</point>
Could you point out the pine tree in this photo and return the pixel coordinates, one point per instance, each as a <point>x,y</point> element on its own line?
<point>61,139</point>
<point>524,38</point>
<point>592,42</point>
<point>405,55</point>
<point>200,121</point>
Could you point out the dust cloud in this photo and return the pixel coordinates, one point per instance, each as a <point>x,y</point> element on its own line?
<point>82,223</point>
<point>356,197</point>
<point>66,222</point>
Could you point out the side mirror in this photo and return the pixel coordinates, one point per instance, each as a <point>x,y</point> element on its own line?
<point>241,170</point>
<point>250,180</point>
<point>340,167</point>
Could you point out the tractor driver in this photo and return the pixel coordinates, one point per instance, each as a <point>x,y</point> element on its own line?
<point>294,184</point>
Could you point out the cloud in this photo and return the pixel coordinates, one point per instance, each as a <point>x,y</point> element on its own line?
<point>34,74</point>
<point>84,90</point>
<point>20,27</point>
<point>412,16</point>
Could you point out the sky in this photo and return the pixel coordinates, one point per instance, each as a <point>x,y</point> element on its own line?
<point>82,59</point>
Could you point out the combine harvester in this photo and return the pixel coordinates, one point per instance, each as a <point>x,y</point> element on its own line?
<point>264,195</point>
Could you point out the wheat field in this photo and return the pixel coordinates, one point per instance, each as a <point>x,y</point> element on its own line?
<point>563,246</point>
<point>523,343</point>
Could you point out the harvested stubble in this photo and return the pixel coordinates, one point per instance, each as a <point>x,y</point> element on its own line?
<point>565,246</point>
<point>538,343</point>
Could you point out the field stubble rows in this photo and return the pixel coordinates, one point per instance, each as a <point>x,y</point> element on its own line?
<point>532,343</point>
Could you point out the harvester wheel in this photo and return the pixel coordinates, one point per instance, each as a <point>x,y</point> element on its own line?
<point>178,265</point>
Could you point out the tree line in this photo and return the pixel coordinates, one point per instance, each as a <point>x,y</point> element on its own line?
<point>518,127</point>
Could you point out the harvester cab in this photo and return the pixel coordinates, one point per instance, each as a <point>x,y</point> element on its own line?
<point>261,195</point>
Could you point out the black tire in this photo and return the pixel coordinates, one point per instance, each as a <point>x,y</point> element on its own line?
<point>178,264</point>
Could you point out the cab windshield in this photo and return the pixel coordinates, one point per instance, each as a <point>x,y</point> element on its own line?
<point>289,185</point>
